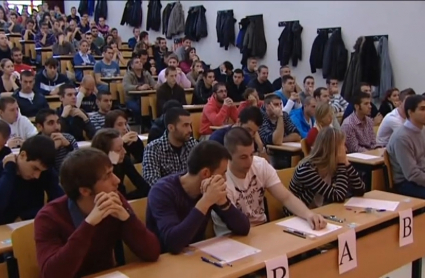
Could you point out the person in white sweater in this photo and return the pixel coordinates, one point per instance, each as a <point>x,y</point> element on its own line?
<point>21,127</point>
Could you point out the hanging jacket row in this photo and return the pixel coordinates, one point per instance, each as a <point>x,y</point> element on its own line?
<point>86,7</point>
<point>173,20</point>
<point>225,28</point>
<point>153,20</point>
<point>101,10</point>
<point>290,44</point>
<point>196,23</point>
<point>251,39</point>
<point>132,14</point>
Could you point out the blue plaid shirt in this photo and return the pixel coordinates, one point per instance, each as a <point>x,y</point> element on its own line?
<point>160,159</point>
<point>268,127</point>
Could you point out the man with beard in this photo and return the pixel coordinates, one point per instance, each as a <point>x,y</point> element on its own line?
<point>169,154</point>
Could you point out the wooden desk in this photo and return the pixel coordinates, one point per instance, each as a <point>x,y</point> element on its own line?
<point>65,62</point>
<point>375,250</point>
<point>291,149</point>
<point>112,86</point>
<point>29,48</point>
<point>194,107</point>
<point>5,235</point>
<point>375,169</point>
<point>15,39</point>
<point>46,53</point>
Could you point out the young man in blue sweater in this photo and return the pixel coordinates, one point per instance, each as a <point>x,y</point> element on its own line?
<point>25,177</point>
<point>179,205</point>
<point>47,81</point>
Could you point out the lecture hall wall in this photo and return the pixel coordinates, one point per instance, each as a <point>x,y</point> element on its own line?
<point>403,21</point>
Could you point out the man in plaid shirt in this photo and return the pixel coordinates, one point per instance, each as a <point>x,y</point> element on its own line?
<point>169,154</point>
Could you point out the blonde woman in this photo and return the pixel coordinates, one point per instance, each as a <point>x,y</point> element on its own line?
<point>324,117</point>
<point>9,81</point>
<point>326,175</point>
<point>195,73</point>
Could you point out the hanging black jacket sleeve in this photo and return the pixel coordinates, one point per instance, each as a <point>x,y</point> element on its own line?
<point>297,46</point>
<point>317,51</point>
<point>83,7</point>
<point>125,20</point>
<point>101,10</point>
<point>285,46</point>
<point>136,14</point>
<point>153,20</point>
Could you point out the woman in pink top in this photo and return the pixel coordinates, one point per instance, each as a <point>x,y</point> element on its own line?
<point>251,99</point>
<point>186,64</point>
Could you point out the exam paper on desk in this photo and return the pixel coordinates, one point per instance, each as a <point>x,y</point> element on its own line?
<point>362,156</point>
<point>371,203</point>
<point>302,225</point>
<point>226,249</point>
<point>115,274</point>
<point>292,144</point>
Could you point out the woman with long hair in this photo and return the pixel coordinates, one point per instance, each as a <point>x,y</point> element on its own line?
<point>189,57</point>
<point>391,101</point>
<point>326,175</point>
<point>251,99</point>
<point>195,73</point>
<point>9,81</point>
<point>324,118</point>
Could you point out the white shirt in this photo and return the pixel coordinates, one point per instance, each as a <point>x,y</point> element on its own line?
<point>80,97</point>
<point>247,194</point>
<point>389,124</point>
<point>290,104</point>
<point>22,128</point>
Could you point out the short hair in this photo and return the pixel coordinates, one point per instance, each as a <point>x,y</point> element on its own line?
<point>358,97</point>
<point>172,117</point>
<point>405,93</point>
<point>52,62</point>
<point>46,155</point>
<point>248,92</point>
<point>328,80</point>
<point>58,34</point>
<point>218,85</point>
<point>207,154</point>
<point>307,77</point>
<point>102,93</point>
<point>5,100</point>
<point>185,38</point>
<point>168,69</point>
<point>142,52</point>
<point>29,21</point>
<point>93,27</point>
<point>64,87</point>
<point>171,104</point>
<point>284,67</point>
<point>411,103</point>
<point>285,78</point>
<point>103,139</point>
<point>251,113</point>
<point>5,130</point>
<point>112,116</point>
<point>113,29</point>
<point>15,49</point>
<point>262,67</point>
<point>84,41</point>
<point>26,73</point>
<point>205,73</point>
<point>82,168</point>
<point>318,92</point>
<point>173,56</point>
<point>361,84</point>
<point>106,48</point>
<point>42,114</point>
<point>237,136</point>
<point>251,58</point>
<point>239,71</point>
<point>306,101</point>
<point>44,24</point>
<point>269,98</point>
<point>228,65</point>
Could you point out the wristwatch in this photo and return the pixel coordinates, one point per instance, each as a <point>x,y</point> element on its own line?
<point>225,205</point>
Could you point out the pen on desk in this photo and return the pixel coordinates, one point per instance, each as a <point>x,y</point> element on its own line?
<point>295,233</point>
<point>229,264</point>
<point>211,262</point>
<point>333,218</point>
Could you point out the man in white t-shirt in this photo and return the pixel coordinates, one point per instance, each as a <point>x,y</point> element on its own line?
<point>393,120</point>
<point>248,177</point>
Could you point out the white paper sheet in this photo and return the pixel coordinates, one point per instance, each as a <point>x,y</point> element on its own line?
<point>16,150</point>
<point>83,144</point>
<point>143,137</point>
<point>226,249</point>
<point>17,225</point>
<point>362,156</point>
<point>115,274</point>
<point>302,225</point>
<point>292,144</point>
<point>371,203</point>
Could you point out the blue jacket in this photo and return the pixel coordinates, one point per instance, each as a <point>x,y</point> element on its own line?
<point>78,61</point>
<point>297,118</point>
<point>132,43</point>
<point>43,85</point>
<point>280,94</point>
<point>30,108</point>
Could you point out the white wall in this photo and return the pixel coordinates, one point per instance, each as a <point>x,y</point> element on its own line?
<point>403,21</point>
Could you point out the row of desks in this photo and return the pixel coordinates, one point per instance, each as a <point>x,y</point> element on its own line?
<point>378,250</point>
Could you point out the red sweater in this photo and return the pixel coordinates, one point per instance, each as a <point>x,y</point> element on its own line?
<point>67,252</point>
<point>247,103</point>
<point>311,136</point>
<point>216,114</point>
<point>21,67</point>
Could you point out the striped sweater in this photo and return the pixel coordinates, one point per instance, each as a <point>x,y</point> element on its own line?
<point>62,152</point>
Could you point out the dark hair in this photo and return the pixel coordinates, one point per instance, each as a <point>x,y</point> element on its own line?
<point>252,114</point>
<point>143,34</point>
<point>361,84</point>
<point>238,71</point>
<point>113,29</point>
<point>5,100</point>
<point>106,47</point>
<point>42,114</point>
<point>82,168</point>
<point>318,92</point>
<point>205,73</point>
<point>58,34</point>
<point>172,117</point>
<point>411,103</point>
<point>52,62</point>
<point>102,93</point>
<point>237,136</point>
<point>168,69</point>
<point>268,99</point>
<point>103,139</point>
<point>171,104</point>
<point>217,85</point>
<point>207,154</point>
<point>44,23</point>
<point>406,92</point>
<point>248,92</point>
<point>112,116</point>
<point>358,97</point>
<point>261,67</point>
<point>285,78</point>
<point>307,77</point>
<point>84,41</point>
<point>141,52</point>
<point>228,65</point>
<point>187,53</point>
<point>185,38</point>
<point>93,27</point>
<point>29,21</point>
<point>389,92</point>
<point>4,130</point>
<point>64,87</point>
<point>328,80</point>
<point>40,147</point>
<point>173,56</point>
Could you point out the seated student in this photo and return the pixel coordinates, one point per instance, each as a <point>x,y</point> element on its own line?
<point>393,120</point>
<point>169,154</point>
<point>218,111</point>
<point>105,68</point>
<point>158,126</point>
<point>47,81</point>
<point>290,98</point>
<point>365,88</point>
<point>44,38</point>
<point>73,120</point>
<point>86,98</point>
<point>303,118</point>
<point>9,80</point>
<point>187,60</point>
<point>181,78</point>
<point>251,99</point>
<point>82,58</point>
<point>236,86</point>
<point>135,39</point>
<point>4,137</point>
<point>308,87</point>
<point>261,84</point>
<point>195,73</point>
<point>61,46</point>
<point>391,101</point>
<point>325,175</point>
<point>76,234</point>
<point>109,141</point>
<point>406,150</point>
<point>24,178</point>
<point>204,87</point>
<point>250,71</point>
<point>19,66</point>
<point>93,49</point>
<point>117,119</point>
<point>179,205</point>
<point>358,127</point>
<point>28,34</point>
<point>48,124</point>
<point>277,83</point>
<point>248,176</point>
<point>169,90</point>
<point>339,104</point>
<point>321,95</point>
<point>21,127</point>
<point>324,116</point>
<point>29,102</point>
<point>104,105</point>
